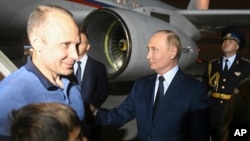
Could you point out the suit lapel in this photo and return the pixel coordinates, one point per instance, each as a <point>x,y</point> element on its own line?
<point>150,96</point>
<point>172,90</point>
<point>86,71</point>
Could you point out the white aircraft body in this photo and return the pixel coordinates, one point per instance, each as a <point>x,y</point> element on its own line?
<point>119,30</point>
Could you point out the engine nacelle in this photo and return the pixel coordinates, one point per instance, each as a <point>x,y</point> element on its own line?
<point>119,39</point>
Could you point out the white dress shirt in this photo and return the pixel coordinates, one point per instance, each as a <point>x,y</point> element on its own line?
<point>83,64</point>
<point>229,62</point>
<point>168,76</point>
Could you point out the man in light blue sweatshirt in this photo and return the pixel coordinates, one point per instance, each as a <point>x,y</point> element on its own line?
<point>54,37</point>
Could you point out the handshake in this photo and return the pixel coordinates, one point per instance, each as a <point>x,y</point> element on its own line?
<point>93,109</point>
<point>90,113</point>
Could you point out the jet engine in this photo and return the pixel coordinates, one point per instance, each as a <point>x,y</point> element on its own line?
<point>119,38</point>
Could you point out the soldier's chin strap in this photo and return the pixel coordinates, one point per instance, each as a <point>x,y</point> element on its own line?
<point>213,80</point>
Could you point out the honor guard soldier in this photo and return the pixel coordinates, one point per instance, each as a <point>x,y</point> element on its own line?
<point>223,75</point>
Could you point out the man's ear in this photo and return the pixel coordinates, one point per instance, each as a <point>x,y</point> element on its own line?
<point>36,43</point>
<point>238,46</point>
<point>88,47</point>
<point>174,51</point>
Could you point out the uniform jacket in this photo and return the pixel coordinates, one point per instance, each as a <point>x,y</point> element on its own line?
<point>239,70</point>
<point>182,115</point>
<point>221,82</point>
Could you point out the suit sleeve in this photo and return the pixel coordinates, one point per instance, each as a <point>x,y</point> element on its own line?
<point>103,87</point>
<point>117,116</point>
<point>200,114</point>
<point>5,138</point>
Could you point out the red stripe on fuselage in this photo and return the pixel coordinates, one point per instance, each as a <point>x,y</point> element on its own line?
<point>91,3</point>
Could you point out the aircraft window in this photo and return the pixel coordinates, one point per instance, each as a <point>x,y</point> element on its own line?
<point>128,3</point>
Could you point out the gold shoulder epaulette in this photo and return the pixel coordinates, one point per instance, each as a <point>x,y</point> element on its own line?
<point>214,60</point>
<point>245,59</point>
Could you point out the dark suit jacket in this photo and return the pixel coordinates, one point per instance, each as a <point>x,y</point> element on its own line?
<point>95,84</point>
<point>95,88</point>
<point>182,115</point>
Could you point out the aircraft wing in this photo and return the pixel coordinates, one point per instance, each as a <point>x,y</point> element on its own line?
<point>214,20</point>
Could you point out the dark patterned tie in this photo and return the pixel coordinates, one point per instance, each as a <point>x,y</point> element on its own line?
<point>226,66</point>
<point>159,95</point>
<point>79,72</point>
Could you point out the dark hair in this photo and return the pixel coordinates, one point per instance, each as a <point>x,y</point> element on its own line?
<point>87,36</point>
<point>43,122</point>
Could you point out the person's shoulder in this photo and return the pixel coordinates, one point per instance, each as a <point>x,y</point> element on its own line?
<point>190,79</point>
<point>215,60</point>
<point>147,77</point>
<point>13,77</point>
<point>96,62</point>
<point>245,60</point>
<point>18,80</point>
